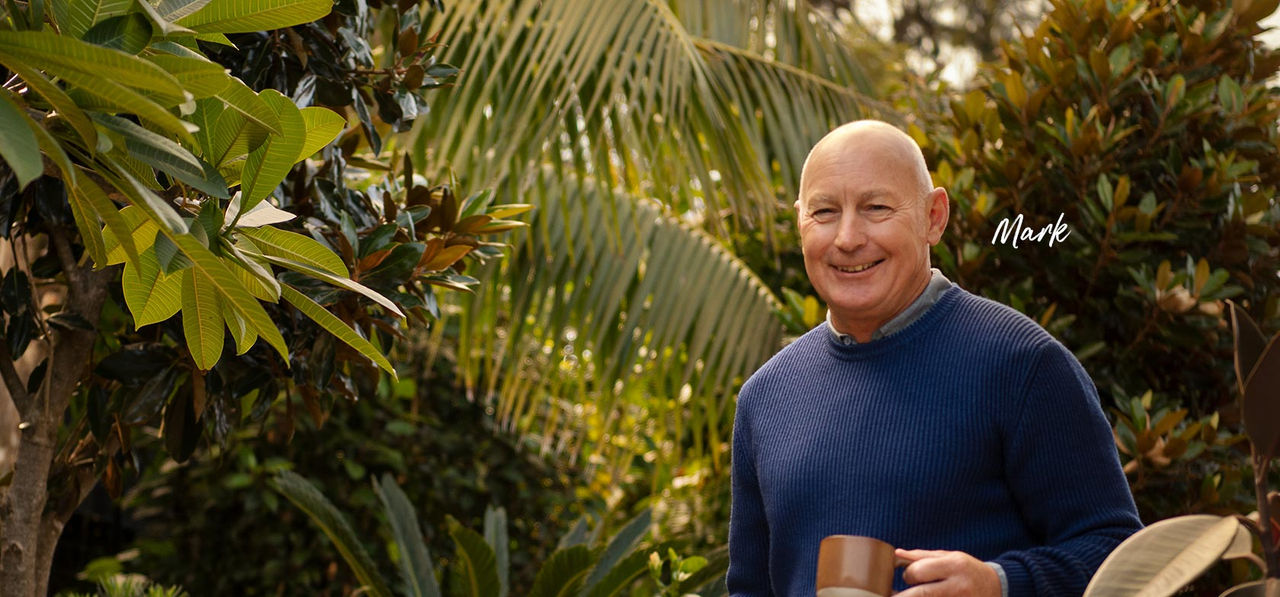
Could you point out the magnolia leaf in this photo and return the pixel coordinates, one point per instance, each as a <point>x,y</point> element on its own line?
<point>1262,402</point>
<point>335,326</point>
<point>267,165</point>
<point>18,145</point>
<point>322,125</point>
<point>151,295</point>
<point>201,319</point>
<point>1249,343</point>
<point>75,17</point>
<point>296,247</point>
<point>1162,558</point>
<point>249,16</point>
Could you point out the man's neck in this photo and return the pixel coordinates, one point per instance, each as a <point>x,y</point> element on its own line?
<point>934,287</point>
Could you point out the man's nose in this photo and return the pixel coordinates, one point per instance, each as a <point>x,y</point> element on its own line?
<point>851,235</point>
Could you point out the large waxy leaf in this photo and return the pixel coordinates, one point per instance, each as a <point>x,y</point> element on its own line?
<point>322,126</point>
<point>335,326</point>
<point>165,27</point>
<point>141,197</point>
<point>1162,558</point>
<point>563,573</point>
<point>267,165</point>
<point>201,78</point>
<point>240,330</point>
<point>296,247</point>
<point>475,572</point>
<point>1249,343</point>
<point>75,17</point>
<point>321,511</point>
<point>233,137</point>
<point>201,318</point>
<point>135,227</point>
<point>1262,402</point>
<point>177,9</point>
<point>165,155</point>
<point>58,55</point>
<point>205,117</point>
<point>124,99</point>
<point>415,562</point>
<point>85,190</point>
<point>18,145</point>
<point>152,295</point>
<point>247,16</point>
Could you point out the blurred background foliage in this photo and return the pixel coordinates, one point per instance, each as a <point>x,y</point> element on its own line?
<point>593,370</point>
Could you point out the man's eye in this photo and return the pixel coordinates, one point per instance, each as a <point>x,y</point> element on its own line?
<point>823,211</point>
<point>877,207</point>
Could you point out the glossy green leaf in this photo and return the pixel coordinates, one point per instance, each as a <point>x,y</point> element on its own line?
<point>155,208</point>
<point>18,144</point>
<point>177,9</point>
<point>201,319</point>
<point>296,247</point>
<point>124,99</point>
<point>1162,558</point>
<point>322,125</point>
<point>306,497</point>
<point>128,33</point>
<point>234,137</point>
<point>75,17</point>
<point>247,16</point>
<point>335,326</point>
<point>151,295</point>
<point>267,165</point>
<point>205,117</point>
<point>475,572</point>
<point>165,155</point>
<point>415,562</point>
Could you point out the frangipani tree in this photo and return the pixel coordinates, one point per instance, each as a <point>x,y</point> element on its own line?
<point>123,143</point>
<point>1166,556</point>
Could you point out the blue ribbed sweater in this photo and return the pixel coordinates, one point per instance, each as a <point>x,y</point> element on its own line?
<point>972,429</point>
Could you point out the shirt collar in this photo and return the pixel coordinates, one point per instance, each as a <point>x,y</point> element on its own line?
<point>938,285</point>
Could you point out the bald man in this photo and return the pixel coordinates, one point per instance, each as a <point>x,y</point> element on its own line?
<point>918,413</point>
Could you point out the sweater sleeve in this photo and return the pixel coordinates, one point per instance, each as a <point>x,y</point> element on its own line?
<point>1062,467</point>
<point>748,531</point>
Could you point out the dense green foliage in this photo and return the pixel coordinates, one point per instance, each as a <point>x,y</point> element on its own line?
<point>1151,130</point>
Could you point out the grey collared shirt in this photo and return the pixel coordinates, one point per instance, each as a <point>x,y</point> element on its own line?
<point>938,284</point>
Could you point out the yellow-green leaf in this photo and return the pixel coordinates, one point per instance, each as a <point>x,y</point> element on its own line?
<point>240,331</point>
<point>248,16</point>
<point>267,165</point>
<point>201,318</point>
<point>335,326</point>
<point>75,17</point>
<point>230,289</point>
<point>201,78</point>
<point>345,283</point>
<point>240,98</point>
<point>135,227</point>
<point>152,295</point>
<point>59,100</point>
<point>322,126</point>
<point>296,247</point>
<point>58,55</point>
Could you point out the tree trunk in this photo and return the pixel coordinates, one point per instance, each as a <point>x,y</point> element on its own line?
<point>29,534</point>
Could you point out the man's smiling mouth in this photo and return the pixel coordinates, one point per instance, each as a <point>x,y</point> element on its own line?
<point>857,268</point>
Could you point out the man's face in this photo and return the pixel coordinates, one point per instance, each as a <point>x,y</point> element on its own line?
<point>866,226</point>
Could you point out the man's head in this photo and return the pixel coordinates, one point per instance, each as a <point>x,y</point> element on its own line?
<point>868,214</point>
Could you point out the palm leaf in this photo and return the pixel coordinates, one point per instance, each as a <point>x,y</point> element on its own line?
<point>322,512</point>
<point>415,561</point>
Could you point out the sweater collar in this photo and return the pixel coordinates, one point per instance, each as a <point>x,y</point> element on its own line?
<point>938,285</point>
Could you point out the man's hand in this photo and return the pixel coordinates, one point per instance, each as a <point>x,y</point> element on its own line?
<point>946,574</point>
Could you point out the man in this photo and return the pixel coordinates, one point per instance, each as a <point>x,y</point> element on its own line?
<point>919,414</point>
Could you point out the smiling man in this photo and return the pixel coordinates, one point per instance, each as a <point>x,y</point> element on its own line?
<point>918,413</point>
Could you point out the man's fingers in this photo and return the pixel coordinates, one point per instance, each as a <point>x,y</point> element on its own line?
<point>930,568</point>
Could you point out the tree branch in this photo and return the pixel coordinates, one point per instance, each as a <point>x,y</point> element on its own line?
<point>13,382</point>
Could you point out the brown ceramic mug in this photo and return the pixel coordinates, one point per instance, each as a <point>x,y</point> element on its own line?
<point>853,566</point>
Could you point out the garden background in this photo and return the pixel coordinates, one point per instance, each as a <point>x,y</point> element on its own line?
<point>567,227</point>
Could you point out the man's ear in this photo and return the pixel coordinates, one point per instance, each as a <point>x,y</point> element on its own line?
<point>796,205</point>
<point>939,206</point>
